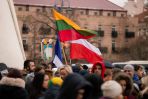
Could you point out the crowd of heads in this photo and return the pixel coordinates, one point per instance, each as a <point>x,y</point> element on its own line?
<point>101,81</point>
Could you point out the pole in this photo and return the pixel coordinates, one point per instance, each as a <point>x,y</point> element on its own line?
<point>64,55</point>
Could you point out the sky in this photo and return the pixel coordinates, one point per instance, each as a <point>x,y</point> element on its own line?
<point>119,2</point>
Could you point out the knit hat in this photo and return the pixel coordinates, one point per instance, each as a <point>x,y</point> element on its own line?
<point>3,68</point>
<point>128,67</point>
<point>111,89</point>
<point>56,81</point>
<point>108,64</point>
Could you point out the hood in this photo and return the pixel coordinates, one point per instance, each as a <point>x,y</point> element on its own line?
<point>17,82</point>
<point>103,68</point>
<point>72,83</point>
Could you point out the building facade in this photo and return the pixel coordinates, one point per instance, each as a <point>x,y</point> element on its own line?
<point>115,29</point>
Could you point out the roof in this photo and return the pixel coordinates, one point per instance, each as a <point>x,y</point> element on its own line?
<point>86,4</point>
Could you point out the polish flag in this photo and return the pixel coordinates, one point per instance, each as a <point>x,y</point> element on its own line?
<point>82,49</point>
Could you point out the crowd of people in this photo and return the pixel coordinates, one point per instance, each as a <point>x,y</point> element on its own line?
<point>101,81</point>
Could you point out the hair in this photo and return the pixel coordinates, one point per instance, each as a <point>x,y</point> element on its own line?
<point>36,85</point>
<point>116,71</point>
<point>96,82</point>
<point>0,76</point>
<point>144,80</point>
<point>14,73</point>
<point>27,64</point>
<point>129,82</point>
<point>67,68</point>
<point>85,67</point>
<point>137,67</point>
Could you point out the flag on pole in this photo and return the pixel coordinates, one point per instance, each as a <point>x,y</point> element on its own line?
<point>82,49</point>
<point>68,30</point>
<point>58,54</point>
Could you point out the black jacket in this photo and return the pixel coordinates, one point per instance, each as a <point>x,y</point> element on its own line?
<point>12,88</point>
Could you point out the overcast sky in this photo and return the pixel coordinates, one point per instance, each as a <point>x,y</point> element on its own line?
<point>119,2</point>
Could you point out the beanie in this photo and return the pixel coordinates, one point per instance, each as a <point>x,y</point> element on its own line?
<point>128,67</point>
<point>111,89</point>
<point>56,81</point>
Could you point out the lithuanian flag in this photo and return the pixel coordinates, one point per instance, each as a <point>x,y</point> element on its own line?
<point>68,30</point>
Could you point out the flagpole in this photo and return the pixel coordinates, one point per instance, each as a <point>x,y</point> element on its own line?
<point>64,54</point>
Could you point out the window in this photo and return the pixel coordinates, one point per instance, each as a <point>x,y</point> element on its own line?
<point>37,10</point>
<point>100,31</point>
<point>20,9</point>
<point>24,41</point>
<point>100,27</point>
<point>100,12</point>
<point>95,13</point>
<point>43,9</point>
<point>114,13</point>
<point>69,11</point>
<point>99,43</point>
<point>87,12</point>
<point>126,28</point>
<point>108,14</point>
<point>122,15</point>
<point>44,29</point>
<point>81,12</point>
<point>114,32</point>
<point>25,29</point>
<point>25,45</point>
<point>113,46</point>
<point>103,49</point>
<point>129,34</point>
<point>27,8</point>
<point>113,28</point>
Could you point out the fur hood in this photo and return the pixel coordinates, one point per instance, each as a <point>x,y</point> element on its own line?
<point>17,82</point>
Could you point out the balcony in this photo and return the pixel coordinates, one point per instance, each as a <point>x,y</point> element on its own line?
<point>114,34</point>
<point>103,49</point>
<point>116,50</point>
<point>129,34</point>
<point>101,33</point>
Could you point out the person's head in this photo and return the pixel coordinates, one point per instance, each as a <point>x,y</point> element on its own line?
<point>75,87</point>
<point>126,82</point>
<point>129,69</point>
<point>40,81</point>
<point>99,69</point>
<point>108,66</point>
<point>79,66</point>
<point>116,71</point>
<point>139,69</point>
<point>107,75</point>
<point>39,69</point>
<point>3,69</point>
<point>29,65</point>
<point>85,67</point>
<point>64,71</point>
<point>14,73</point>
<point>96,82</point>
<point>144,81</point>
<point>112,89</point>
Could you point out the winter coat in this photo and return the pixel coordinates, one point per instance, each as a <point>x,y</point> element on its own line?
<point>105,98</point>
<point>52,92</point>
<point>12,88</point>
<point>72,83</point>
